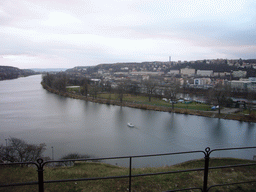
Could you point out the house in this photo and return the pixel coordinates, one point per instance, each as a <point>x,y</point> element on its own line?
<point>239,74</point>
<point>202,81</point>
<point>173,72</point>
<point>204,73</point>
<point>239,85</point>
<point>188,71</point>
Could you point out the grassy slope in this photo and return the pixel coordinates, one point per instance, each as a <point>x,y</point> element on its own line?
<point>147,183</point>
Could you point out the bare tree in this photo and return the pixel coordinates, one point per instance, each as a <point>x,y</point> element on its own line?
<point>60,84</point>
<point>94,90</point>
<point>171,92</point>
<point>85,87</point>
<point>134,88</point>
<point>219,95</point>
<point>3,153</point>
<point>48,79</point>
<point>151,87</point>
<point>20,151</point>
<point>57,81</point>
<point>250,97</point>
<point>72,157</point>
<point>107,87</point>
<point>121,90</point>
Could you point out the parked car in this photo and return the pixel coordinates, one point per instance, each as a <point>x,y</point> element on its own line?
<point>215,107</point>
<point>164,99</point>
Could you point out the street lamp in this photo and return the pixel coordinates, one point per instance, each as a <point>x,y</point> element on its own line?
<point>6,151</point>
<point>52,154</point>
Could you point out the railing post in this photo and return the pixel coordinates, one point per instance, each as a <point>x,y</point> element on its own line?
<point>40,171</point>
<point>206,168</point>
<point>130,175</point>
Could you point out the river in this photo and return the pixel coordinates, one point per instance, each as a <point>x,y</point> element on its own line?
<point>75,126</point>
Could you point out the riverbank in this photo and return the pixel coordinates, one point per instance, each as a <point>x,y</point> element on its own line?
<point>211,114</point>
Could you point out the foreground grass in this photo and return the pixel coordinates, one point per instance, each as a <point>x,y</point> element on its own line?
<point>146,183</point>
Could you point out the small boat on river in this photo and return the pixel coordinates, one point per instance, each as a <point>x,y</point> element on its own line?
<point>130,125</point>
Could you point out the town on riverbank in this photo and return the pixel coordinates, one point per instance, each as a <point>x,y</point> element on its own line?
<point>214,88</point>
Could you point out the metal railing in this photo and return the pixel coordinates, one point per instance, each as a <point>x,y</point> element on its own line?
<point>40,169</point>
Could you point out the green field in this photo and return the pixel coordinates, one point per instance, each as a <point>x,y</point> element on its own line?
<point>73,89</point>
<point>155,102</point>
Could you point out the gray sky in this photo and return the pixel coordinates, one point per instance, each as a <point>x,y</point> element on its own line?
<point>69,33</point>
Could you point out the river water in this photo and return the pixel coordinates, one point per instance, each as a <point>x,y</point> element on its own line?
<point>74,126</point>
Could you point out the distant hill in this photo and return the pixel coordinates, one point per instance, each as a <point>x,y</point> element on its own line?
<point>7,72</point>
<point>42,70</point>
<point>216,65</point>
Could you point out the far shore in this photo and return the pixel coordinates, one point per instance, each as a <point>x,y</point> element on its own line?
<point>211,114</point>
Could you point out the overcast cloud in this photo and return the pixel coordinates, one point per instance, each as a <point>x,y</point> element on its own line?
<point>65,33</point>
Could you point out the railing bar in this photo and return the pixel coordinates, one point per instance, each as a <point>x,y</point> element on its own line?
<point>125,157</point>
<point>86,179</point>
<point>225,184</point>
<point>19,184</point>
<point>234,148</point>
<point>120,177</point>
<point>18,163</point>
<point>230,166</point>
<point>185,189</point>
<point>168,172</point>
<point>164,154</point>
<point>130,174</point>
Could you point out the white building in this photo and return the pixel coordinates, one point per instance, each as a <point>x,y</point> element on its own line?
<point>174,72</point>
<point>188,71</point>
<point>244,85</point>
<point>202,81</point>
<point>221,74</point>
<point>147,73</point>
<point>204,73</point>
<point>252,79</point>
<point>252,85</point>
<point>95,81</point>
<point>121,73</point>
<point>239,73</point>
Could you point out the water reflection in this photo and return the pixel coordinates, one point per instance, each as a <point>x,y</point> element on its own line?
<point>119,117</point>
<point>217,132</point>
<point>249,135</point>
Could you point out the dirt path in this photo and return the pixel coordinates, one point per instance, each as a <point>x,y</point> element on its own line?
<point>229,110</point>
